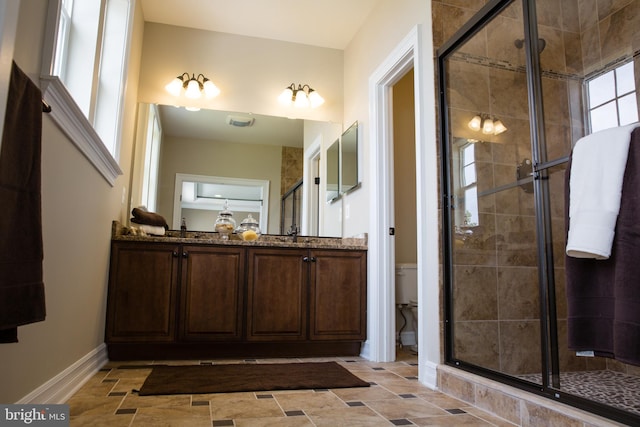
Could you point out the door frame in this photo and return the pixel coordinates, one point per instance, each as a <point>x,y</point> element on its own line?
<point>381,271</point>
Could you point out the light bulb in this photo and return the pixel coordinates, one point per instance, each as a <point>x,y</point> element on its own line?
<point>210,89</point>
<point>286,97</point>
<point>174,86</point>
<point>474,123</point>
<point>498,127</point>
<point>315,99</point>
<point>301,99</point>
<point>193,89</point>
<point>487,126</point>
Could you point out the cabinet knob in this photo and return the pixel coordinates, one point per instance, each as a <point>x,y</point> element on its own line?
<point>313,259</point>
<point>175,254</point>
<point>185,254</point>
<point>305,259</point>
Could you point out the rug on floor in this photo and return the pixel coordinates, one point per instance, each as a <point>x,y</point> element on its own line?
<point>197,379</point>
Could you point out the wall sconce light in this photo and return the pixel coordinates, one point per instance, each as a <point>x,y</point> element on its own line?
<point>193,86</point>
<point>302,97</point>
<point>487,125</point>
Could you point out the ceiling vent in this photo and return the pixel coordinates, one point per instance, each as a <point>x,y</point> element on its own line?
<point>240,121</point>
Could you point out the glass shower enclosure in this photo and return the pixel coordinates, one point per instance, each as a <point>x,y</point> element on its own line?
<point>514,97</point>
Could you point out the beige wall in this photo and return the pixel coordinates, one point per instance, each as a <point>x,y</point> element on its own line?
<point>201,157</point>
<point>404,159</point>
<point>78,206</point>
<point>250,72</point>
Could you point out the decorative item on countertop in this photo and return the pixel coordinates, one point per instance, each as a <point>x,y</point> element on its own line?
<point>183,228</point>
<point>149,222</point>
<point>249,229</point>
<point>225,224</point>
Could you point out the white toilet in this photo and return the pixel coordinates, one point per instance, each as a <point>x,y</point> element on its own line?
<point>407,304</point>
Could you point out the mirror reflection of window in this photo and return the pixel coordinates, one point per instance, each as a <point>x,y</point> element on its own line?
<point>612,98</point>
<point>151,161</point>
<point>469,186</point>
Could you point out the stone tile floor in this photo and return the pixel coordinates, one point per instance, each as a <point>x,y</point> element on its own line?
<point>394,398</point>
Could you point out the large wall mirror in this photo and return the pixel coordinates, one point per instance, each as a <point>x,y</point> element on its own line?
<point>349,159</point>
<point>217,146</point>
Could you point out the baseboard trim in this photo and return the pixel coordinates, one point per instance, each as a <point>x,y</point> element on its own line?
<point>61,387</point>
<point>429,374</point>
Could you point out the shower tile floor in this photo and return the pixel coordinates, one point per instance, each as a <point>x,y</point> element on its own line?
<point>396,398</point>
<point>612,388</point>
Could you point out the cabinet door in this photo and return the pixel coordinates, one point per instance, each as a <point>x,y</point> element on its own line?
<point>141,303</point>
<point>277,294</point>
<point>212,289</point>
<point>338,295</point>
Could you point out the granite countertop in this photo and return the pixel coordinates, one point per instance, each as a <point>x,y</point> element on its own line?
<point>123,233</point>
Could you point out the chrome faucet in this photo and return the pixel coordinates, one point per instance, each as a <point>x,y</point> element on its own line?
<point>293,232</point>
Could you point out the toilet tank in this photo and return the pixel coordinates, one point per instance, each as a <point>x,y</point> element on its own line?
<point>406,283</point>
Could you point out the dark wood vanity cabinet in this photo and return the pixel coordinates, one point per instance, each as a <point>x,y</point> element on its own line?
<point>204,301</point>
<point>277,294</point>
<point>162,292</point>
<point>337,295</point>
<point>143,293</point>
<point>211,298</point>
<point>301,294</point>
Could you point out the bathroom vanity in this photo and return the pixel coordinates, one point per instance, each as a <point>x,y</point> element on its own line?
<point>200,297</point>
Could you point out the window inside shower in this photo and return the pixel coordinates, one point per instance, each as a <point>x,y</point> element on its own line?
<point>612,98</point>
<point>540,69</point>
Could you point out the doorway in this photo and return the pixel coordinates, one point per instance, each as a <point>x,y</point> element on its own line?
<point>405,213</point>
<point>310,215</point>
<point>380,345</point>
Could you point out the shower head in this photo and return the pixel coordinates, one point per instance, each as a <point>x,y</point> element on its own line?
<point>542,43</point>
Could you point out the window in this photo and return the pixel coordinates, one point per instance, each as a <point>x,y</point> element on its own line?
<point>84,74</point>
<point>469,185</point>
<point>612,98</point>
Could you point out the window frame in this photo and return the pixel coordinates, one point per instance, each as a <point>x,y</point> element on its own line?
<point>66,113</point>
<point>616,98</point>
<point>466,187</point>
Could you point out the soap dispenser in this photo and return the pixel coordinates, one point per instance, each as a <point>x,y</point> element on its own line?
<point>183,228</point>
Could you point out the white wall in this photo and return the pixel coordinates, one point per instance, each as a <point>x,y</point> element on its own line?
<point>78,206</point>
<point>384,30</point>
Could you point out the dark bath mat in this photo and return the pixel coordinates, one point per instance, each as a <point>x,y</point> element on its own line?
<point>195,379</point>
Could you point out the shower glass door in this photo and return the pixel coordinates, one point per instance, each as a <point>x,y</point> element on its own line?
<point>521,82</point>
<point>494,258</point>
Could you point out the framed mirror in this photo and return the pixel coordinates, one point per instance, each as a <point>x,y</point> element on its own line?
<point>333,171</point>
<point>349,159</point>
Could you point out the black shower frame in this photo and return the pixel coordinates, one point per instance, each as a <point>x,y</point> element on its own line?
<point>541,165</point>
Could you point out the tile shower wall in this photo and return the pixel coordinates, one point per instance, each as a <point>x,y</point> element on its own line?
<point>292,165</point>
<point>496,301</point>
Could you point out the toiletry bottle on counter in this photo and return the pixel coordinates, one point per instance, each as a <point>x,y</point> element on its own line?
<point>183,228</point>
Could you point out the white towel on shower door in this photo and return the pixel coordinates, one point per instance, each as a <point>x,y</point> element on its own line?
<point>595,187</point>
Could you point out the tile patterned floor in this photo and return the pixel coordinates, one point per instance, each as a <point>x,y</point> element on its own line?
<point>395,398</point>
